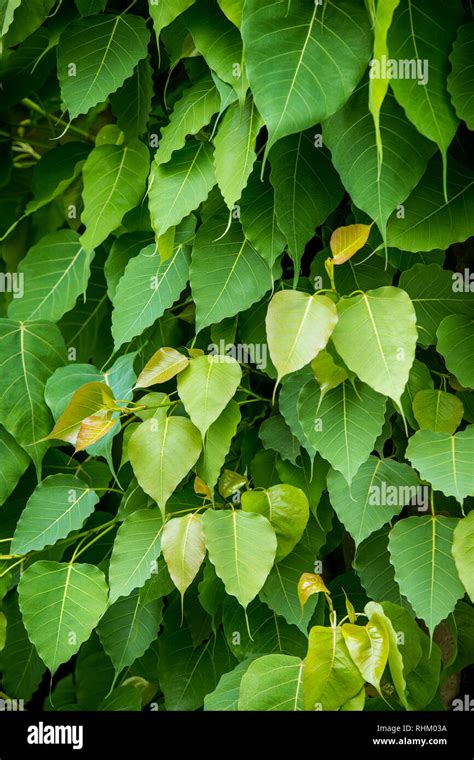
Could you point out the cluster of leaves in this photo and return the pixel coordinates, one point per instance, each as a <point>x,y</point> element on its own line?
<point>236,348</point>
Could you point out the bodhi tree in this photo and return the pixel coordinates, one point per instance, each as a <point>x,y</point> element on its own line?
<point>236,342</point>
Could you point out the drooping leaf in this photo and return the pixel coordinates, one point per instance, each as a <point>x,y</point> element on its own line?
<point>206,386</point>
<point>88,400</point>
<point>438,411</point>
<point>136,549</point>
<point>217,443</point>
<point>462,549</point>
<point>164,13</point>
<point>368,646</point>
<point>61,604</point>
<point>330,676</point>
<point>444,460</point>
<point>272,683</point>
<point>242,547</point>
<point>183,549</point>
<point>456,345</point>
<point>131,104</point>
<point>286,508</point>
<point>460,77</point>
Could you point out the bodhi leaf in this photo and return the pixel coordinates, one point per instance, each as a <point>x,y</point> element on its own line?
<point>225,697</point>
<point>378,492</point>
<point>368,646</point>
<point>136,549</point>
<point>372,565</point>
<point>183,549</point>
<point>330,676</point>
<point>456,345</point>
<point>376,337</point>
<point>308,585</point>
<point>88,400</point>
<point>163,365</point>
<point>258,217</point>
<point>346,241</point>
<point>57,506</point>
<point>114,183</point>
<point>460,82</point>
<point>398,669</point>
<point>306,84</point>
<point>438,411</point>
<point>57,599</point>
<point>31,351</point>
<point>444,460</point>
<point>286,508</point>
<point>206,386</point>
<point>272,683</point>
<point>242,547</point>
<point>217,444</point>
<point>298,326</point>
<point>103,50</point>
<point>132,102</point>
<point>162,450</point>
<point>328,374</point>
<point>342,425</point>
<point>164,13</point>
<point>14,460</point>
<point>463,543</point>
<point>420,551</point>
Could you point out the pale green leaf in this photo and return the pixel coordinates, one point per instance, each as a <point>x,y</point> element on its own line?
<point>183,548</point>
<point>444,460</point>
<point>272,683</point>
<point>131,104</point>
<point>286,508</point>
<point>460,79</point>
<point>330,677</point>
<point>438,411</point>
<point>463,552</point>
<point>456,344</point>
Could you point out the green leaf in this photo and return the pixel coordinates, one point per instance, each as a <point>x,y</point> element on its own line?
<point>86,401</point>
<point>55,171</point>
<point>429,221</point>
<point>298,327</point>
<point>376,188</point>
<point>328,374</point>
<point>7,12</point>
<point>330,676</point>
<point>32,351</point>
<point>456,345</point>
<point>379,491</point>
<point>149,287</point>
<point>26,19</point>
<point>242,547</point>
<point>463,542</point>
<point>378,87</point>
<point>233,9</point>
<point>61,604</point>
<point>420,551</point>
<point>131,104</point>
<point>206,386</point>
<point>286,508</point>
<point>272,683</point>
<point>57,269</point>
<point>276,435</point>
<point>14,463</point>
<point>22,668</point>
<point>307,189</point>
<point>217,444</point>
<point>164,13</point>
<point>128,627</point>
<point>460,82</point>
<point>368,646</point>
<point>114,183</point>
<point>193,111</point>
<point>396,663</point>
<point>419,379</point>
<point>434,294</point>
<point>343,425</point>
<point>234,154</point>
<point>288,400</point>
<point>136,549</point>
<point>58,505</point>
<point>444,460</point>
<point>416,36</point>
<point>225,697</point>
<point>104,51</point>
<point>183,549</point>
<point>325,56</point>
<point>162,451</point>
<point>376,337</point>
<point>227,275</point>
<point>124,248</point>
<point>376,573</point>
<point>180,186</point>
<point>438,411</point>
<point>258,217</point>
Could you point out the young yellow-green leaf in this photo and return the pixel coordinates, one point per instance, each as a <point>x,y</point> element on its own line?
<point>14,460</point>
<point>96,55</point>
<point>206,386</point>
<point>234,153</point>
<point>31,352</point>
<point>298,326</point>
<point>272,683</point>
<point>328,374</point>
<point>242,547</point>
<point>163,365</point>
<point>56,271</point>
<point>57,506</point>
<point>114,183</point>
<point>308,585</point>
<point>88,400</point>
<point>438,411</point>
<point>217,444</point>
<point>136,549</point>
<point>463,552</point>
<point>330,676</point>
<point>94,428</point>
<point>369,647</point>
<point>376,337</point>
<point>460,82</point>
<point>444,460</point>
<point>421,553</point>
<point>287,510</point>
<point>346,241</point>
<point>325,56</point>
<point>180,186</point>
<point>456,345</point>
<point>61,604</point>
<point>162,451</point>
<point>184,549</point>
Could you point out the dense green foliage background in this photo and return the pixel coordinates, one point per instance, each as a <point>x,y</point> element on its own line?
<point>236,342</point>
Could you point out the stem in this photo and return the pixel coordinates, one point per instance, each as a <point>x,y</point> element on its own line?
<point>34,107</point>
<point>432,503</point>
<point>78,551</point>
<point>255,395</point>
